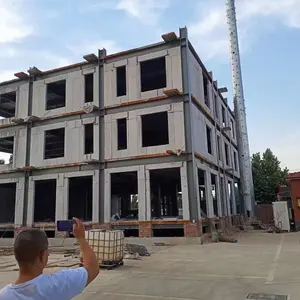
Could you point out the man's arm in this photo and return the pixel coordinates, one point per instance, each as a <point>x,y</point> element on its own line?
<point>90,262</point>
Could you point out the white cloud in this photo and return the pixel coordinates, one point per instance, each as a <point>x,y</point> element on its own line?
<point>209,33</point>
<point>7,75</point>
<point>146,11</point>
<point>13,27</point>
<point>92,47</point>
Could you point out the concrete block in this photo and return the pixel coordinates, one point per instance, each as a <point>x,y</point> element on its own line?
<point>22,101</point>
<point>174,51</point>
<point>176,73</point>
<point>38,98</point>
<point>133,76</point>
<point>88,71</point>
<point>152,55</point>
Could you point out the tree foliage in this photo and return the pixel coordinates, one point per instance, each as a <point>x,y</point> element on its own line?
<point>267,175</point>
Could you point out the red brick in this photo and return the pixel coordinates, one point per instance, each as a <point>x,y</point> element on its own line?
<point>106,226</point>
<point>145,229</point>
<point>192,230</point>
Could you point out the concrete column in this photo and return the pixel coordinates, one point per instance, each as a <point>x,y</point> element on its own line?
<point>227,197</point>
<point>65,201</point>
<point>19,206</point>
<point>30,206</point>
<point>232,197</point>
<point>192,178</point>
<point>107,197</point>
<point>148,196</point>
<point>185,192</point>
<point>218,194</point>
<point>209,199</point>
<point>142,193</point>
<point>223,197</point>
<point>59,204</point>
<point>95,217</point>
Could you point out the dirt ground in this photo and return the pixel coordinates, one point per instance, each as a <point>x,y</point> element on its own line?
<point>258,263</point>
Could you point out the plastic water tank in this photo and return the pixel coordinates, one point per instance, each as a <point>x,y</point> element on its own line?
<point>108,245</point>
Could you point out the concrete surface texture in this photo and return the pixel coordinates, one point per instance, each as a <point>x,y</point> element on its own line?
<point>258,263</point>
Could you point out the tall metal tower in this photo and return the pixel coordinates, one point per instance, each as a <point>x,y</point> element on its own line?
<point>240,112</point>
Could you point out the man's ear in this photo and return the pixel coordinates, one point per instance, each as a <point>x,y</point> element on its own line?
<point>41,256</point>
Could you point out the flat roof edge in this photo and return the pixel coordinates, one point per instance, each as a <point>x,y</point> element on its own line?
<point>84,63</point>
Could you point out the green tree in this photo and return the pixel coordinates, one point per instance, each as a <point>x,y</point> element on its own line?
<point>267,175</point>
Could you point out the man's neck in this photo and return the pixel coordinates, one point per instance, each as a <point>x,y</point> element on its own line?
<point>27,275</point>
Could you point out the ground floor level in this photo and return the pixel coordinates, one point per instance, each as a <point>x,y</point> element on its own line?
<point>259,264</point>
<point>142,199</point>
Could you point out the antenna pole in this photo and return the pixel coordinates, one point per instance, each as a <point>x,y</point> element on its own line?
<point>240,112</point>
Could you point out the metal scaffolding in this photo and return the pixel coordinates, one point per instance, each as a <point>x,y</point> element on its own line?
<point>240,112</point>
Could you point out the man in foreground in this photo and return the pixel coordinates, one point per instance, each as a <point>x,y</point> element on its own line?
<point>31,253</point>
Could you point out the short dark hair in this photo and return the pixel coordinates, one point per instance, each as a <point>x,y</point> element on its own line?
<point>29,244</point>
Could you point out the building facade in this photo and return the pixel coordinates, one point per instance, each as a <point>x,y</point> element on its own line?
<point>140,140</point>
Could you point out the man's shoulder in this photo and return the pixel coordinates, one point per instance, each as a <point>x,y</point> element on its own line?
<point>5,292</point>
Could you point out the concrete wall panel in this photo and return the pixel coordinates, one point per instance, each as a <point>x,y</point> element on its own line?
<point>173,72</point>
<point>74,143</point>
<point>19,133</point>
<point>134,132</point>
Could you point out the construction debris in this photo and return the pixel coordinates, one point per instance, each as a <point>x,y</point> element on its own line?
<point>134,256</point>
<point>141,250</point>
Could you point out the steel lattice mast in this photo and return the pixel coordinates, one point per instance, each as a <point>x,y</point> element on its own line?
<point>240,112</point>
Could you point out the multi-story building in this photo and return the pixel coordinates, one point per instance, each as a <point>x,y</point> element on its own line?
<point>141,140</point>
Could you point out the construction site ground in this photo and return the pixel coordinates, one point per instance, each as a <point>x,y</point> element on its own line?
<point>258,263</point>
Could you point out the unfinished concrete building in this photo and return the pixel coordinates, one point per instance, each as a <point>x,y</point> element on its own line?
<point>140,140</point>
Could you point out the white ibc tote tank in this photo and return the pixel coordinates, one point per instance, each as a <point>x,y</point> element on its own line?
<point>108,245</point>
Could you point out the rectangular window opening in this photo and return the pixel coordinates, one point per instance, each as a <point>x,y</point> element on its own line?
<point>232,128</point>
<point>56,95</point>
<point>89,88</point>
<point>230,195</point>
<point>235,160</point>
<point>205,88</point>
<point>219,148</point>
<point>153,74</point>
<point>6,150</point>
<point>166,194</point>
<point>223,116</point>
<point>122,133</point>
<point>227,155</point>
<point>202,193</point>
<point>208,139</point>
<point>8,105</point>
<point>81,198</point>
<point>54,143</point>
<point>88,138</point>
<point>44,202</point>
<point>216,107</point>
<point>121,81</point>
<point>214,194</point>
<point>155,129</point>
<point>8,201</point>
<point>124,196</point>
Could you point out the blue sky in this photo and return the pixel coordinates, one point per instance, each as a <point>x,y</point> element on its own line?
<point>49,34</point>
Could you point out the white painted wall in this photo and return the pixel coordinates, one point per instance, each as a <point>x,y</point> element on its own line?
<point>62,194</point>
<point>134,132</point>
<point>74,142</point>
<point>133,88</point>
<point>19,133</point>
<point>74,93</point>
